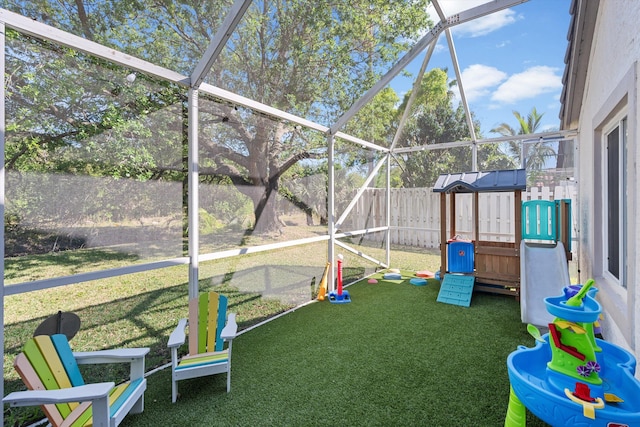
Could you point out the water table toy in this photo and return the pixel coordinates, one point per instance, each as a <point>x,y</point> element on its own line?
<point>570,377</point>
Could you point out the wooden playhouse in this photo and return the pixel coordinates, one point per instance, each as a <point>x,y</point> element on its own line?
<point>496,265</point>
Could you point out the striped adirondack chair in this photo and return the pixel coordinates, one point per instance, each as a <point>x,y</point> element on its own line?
<point>50,371</point>
<point>209,328</point>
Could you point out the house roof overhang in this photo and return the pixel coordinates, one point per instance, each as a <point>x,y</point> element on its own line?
<point>580,38</point>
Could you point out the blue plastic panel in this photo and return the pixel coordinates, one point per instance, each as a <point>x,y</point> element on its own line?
<point>456,290</point>
<point>460,258</point>
<point>539,220</point>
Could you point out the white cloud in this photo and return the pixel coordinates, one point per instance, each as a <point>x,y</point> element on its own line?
<point>487,24</point>
<point>478,80</point>
<point>441,46</point>
<point>528,84</point>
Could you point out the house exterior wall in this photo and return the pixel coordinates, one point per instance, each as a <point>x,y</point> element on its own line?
<point>611,90</point>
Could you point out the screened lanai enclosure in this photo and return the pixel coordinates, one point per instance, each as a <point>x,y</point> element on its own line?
<point>245,144</point>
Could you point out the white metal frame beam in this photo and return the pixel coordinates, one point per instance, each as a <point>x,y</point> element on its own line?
<point>386,79</point>
<point>219,41</point>
<point>457,19</point>
<point>463,98</point>
<point>36,285</point>
<point>274,112</point>
<point>362,254</point>
<point>37,29</point>
<point>414,92</point>
<point>362,189</point>
<point>554,135</point>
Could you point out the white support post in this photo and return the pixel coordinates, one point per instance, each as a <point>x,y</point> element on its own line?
<point>474,156</point>
<point>193,203</point>
<point>388,212</point>
<point>463,97</point>
<point>330,213</point>
<point>2,184</point>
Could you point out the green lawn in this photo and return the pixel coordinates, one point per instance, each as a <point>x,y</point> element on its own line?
<point>391,357</point>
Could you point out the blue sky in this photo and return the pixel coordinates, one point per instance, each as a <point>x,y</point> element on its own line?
<point>510,60</point>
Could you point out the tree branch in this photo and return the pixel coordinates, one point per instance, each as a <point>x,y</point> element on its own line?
<point>292,161</point>
<point>84,20</point>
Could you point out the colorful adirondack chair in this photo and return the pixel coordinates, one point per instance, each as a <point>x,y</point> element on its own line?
<point>50,371</point>
<point>209,328</point>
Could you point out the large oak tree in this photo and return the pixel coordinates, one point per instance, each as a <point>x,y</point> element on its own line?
<point>311,58</point>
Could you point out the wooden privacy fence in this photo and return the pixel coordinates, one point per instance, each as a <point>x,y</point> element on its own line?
<point>415,214</point>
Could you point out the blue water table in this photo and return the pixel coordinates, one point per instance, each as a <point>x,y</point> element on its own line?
<point>570,377</point>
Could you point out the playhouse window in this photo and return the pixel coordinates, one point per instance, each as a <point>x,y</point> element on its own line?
<point>615,191</point>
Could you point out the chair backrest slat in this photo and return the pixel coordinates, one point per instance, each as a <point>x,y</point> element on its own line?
<point>222,320</point>
<point>211,317</point>
<point>32,381</point>
<point>203,309</point>
<point>65,353</point>
<point>193,330</point>
<point>36,358</point>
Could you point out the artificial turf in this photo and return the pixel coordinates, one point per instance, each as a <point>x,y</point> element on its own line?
<point>392,356</point>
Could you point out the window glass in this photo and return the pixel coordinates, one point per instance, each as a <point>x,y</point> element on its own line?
<point>615,202</point>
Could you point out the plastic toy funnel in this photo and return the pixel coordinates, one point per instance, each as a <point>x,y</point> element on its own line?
<point>576,300</point>
<point>535,333</point>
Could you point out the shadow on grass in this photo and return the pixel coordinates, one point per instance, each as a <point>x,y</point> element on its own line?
<point>76,260</point>
<point>146,319</point>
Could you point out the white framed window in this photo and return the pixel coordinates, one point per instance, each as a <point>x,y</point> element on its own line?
<point>613,214</point>
<point>614,197</point>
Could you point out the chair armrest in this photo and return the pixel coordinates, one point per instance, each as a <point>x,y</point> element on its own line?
<point>83,393</point>
<point>178,336</point>
<point>231,328</point>
<point>120,355</point>
<point>134,356</point>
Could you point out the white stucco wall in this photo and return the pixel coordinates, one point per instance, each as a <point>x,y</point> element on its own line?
<point>611,85</point>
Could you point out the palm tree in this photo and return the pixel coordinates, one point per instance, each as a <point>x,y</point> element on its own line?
<point>530,155</point>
